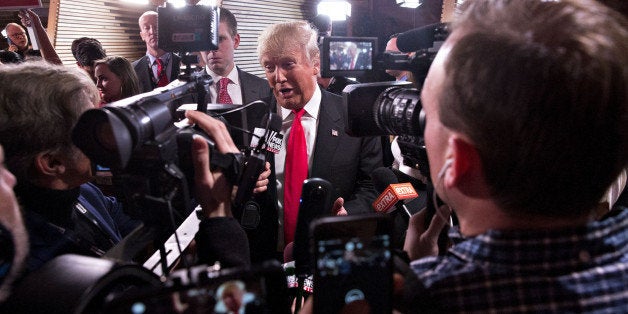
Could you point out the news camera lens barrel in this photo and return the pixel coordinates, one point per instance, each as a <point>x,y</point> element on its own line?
<point>109,135</point>
<point>384,108</point>
<point>399,111</point>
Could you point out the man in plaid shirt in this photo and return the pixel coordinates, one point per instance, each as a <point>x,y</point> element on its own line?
<point>527,126</point>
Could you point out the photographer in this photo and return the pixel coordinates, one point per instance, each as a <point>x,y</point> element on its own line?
<point>522,146</point>
<point>63,213</point>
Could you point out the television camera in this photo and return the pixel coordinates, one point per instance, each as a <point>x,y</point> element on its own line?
<point>394,108</point>
<point>149,156</point>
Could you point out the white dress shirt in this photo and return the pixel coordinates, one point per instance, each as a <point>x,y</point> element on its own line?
<point>234,88</point>
<point>309,121</point>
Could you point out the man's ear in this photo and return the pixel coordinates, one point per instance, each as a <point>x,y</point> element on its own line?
<point>465,161</point>
<point>316,64</point>
<point>49,164</point>
<point>236,41</point>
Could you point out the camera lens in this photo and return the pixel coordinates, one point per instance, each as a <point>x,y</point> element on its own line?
<point>104,137</point>
<point>399,111</point>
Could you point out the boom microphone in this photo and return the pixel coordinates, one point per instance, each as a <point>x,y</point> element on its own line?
<point>419,38</point>
<point>393,193</point>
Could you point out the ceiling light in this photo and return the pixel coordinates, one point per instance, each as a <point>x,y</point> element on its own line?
<point>337,10</point>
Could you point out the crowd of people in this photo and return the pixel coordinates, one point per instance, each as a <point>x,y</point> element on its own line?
<point>526,132</point>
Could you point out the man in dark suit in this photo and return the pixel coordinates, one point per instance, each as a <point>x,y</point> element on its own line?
<point>291,59</point>
<point>241,87</point>
<point>148,69</point>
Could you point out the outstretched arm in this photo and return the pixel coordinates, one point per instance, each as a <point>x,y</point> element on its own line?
<point>48,52</point>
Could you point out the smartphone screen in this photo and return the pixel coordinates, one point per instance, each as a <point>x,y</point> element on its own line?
<point>353,269</point>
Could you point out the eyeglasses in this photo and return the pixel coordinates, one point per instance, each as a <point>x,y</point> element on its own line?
<point>18,35</point>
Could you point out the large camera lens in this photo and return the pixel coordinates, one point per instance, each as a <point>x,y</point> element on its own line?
<point>398,111</point>
<point>384,108</point>
<point>105,137</point>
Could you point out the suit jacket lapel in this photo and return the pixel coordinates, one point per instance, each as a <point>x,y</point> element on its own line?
<point>327,136</point>
<point>176,67</point>
<point>146,75</point>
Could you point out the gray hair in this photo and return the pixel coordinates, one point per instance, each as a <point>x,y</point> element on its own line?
<point>289,36</point>
<point>39,105</point>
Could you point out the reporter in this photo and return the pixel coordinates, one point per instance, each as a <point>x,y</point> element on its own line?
<point>525,143</point>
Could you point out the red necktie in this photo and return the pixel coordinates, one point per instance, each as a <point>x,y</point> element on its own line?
<point>352,65</point>
<point>223,94</point>
<point>294,174</point>
<point>161,73</point>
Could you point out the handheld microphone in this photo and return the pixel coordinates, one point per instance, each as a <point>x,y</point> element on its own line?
<point>243,210</point>
<point>393,193</point>
<point>316,202</point>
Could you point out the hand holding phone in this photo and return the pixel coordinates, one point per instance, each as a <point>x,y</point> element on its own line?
<point>353,270</point>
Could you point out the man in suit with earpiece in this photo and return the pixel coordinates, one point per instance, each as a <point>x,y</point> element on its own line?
<point>158,67</point>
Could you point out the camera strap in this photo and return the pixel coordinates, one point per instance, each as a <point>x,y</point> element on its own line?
<point>67,234</point>
<point>95,224</point>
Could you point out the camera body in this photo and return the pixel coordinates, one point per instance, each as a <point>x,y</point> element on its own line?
<point>148,155</point>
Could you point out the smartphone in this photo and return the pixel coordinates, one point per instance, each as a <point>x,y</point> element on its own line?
<point>353,264</point>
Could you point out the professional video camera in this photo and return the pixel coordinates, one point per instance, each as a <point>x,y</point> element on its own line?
<point>148,155</point>
<point>394,108</point>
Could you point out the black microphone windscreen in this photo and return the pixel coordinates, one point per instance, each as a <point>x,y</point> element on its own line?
<point>418,38</point>
<point>275,122</point>
<point>382,177</point>
<point>288,253</point>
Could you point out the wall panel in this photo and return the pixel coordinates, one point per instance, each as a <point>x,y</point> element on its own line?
<point>114,23</point>
<point>253,16</point>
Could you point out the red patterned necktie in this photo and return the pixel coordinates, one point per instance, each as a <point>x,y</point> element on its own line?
<point>161,73</point>
<point>294,174</point>
<point>223,94</point>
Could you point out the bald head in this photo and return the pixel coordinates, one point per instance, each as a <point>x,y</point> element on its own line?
<point>17,35</point>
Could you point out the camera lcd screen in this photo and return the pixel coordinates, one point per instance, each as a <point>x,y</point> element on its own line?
<point>347,56</point>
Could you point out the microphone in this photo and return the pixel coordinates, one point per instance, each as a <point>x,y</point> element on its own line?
<point>248,212</point>
<point>419,38</point>
<point>392,192</point>
<point>316,202</point>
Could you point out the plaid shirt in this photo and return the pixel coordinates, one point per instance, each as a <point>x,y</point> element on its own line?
<point>581,269</point>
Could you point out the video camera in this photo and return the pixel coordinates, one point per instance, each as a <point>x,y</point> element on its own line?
<point>394,108</point>
<point>149,156</point>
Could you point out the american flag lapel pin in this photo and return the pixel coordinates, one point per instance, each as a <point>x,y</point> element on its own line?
<point>334,132</point>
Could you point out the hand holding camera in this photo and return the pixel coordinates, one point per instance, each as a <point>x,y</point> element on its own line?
<point>213,190</point>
